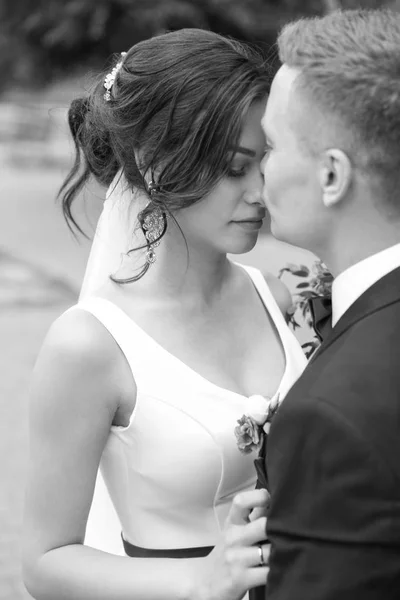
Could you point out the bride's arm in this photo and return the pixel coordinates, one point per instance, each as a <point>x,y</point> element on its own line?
<point>76,393</point>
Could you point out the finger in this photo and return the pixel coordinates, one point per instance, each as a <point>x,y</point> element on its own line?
<point>244,503</point>
<point>250,556</point>
<point>256,577</point>
<point>259,511</point>
<point>254,533</point>
<point>248,535</point>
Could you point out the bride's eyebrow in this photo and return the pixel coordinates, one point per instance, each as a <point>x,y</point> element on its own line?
<point>243,150</point>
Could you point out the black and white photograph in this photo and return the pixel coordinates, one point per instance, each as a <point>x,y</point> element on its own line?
<point>200,300</point>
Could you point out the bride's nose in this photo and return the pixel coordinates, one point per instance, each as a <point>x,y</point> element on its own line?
<point>253,196</point>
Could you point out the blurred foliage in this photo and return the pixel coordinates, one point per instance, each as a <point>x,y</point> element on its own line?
<point>43,39</point>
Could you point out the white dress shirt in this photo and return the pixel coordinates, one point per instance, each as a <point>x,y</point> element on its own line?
<point>354,281</point>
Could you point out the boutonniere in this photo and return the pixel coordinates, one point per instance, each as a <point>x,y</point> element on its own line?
<point>255,423</point>
<point>315,281</point>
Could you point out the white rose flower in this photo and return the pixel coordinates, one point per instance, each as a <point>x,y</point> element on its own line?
<point>257,408</point>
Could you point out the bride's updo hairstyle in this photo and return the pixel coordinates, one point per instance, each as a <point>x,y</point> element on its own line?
<point>177,101</point>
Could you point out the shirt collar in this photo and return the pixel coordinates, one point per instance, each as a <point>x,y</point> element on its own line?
<point>354,281</point>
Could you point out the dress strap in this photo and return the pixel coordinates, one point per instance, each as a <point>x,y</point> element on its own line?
<point>295,358</point>
<point>143,354</point>
<point>130,338</point>
<point>266,296</point>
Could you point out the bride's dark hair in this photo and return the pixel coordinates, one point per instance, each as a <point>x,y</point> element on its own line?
<point>178,101</point>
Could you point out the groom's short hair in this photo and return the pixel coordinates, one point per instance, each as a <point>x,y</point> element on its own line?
<point>349,88</point>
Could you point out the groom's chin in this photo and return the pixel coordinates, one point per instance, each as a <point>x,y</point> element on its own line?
<point>283,234</point>
<point>279,233</point>
<point>294,239</point>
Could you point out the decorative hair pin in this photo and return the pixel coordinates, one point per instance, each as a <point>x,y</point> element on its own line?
<point>110,78</point>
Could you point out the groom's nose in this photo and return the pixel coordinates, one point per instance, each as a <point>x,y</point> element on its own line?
<point>255,186</point>
<point>262,165</point>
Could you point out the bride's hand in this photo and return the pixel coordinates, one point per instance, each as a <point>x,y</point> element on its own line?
<point>234,566</point>
<point>260,511</point>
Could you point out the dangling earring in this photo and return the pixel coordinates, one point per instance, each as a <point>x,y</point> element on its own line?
<point>153,225</point>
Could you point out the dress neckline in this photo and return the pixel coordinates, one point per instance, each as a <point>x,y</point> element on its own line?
<point>195,374</point>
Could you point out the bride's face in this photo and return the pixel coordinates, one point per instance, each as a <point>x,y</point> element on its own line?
<point>230,217</point>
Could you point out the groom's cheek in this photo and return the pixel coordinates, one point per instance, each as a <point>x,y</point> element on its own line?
<point>276,183</point>
<point>265,196</point>
<point>270,188</point>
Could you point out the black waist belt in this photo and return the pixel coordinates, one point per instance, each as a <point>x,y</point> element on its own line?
<point>137,552</point>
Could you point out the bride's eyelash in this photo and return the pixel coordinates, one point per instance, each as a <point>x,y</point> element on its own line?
<point>237,172</point>
<point>242,171</point>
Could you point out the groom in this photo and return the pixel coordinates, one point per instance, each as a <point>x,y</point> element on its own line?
<point>332,185</point>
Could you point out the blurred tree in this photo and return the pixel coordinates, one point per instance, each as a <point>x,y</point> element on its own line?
<point>41,39</point>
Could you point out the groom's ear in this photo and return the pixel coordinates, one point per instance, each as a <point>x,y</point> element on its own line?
<point>334,176</point>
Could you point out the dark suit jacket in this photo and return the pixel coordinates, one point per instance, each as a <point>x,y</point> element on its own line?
<point>333,463</point>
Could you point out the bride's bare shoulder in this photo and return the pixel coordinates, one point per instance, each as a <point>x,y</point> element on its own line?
<point>80,354</point>
<point>78,334</point>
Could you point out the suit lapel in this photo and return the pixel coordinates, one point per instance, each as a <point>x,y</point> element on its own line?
<point>384,292</point>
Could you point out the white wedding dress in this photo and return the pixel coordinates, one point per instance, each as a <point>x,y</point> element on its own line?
<point>173,471</point>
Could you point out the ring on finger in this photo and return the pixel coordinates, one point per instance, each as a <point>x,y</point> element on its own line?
<point>261,561</point>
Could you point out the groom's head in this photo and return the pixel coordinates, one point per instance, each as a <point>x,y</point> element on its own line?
<point>333,124</point>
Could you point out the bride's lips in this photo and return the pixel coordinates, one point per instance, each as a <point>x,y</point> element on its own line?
<point>250,224</point>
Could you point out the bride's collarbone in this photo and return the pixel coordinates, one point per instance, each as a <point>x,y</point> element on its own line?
<point>240,357</point>
<point>234,345</point>
<point>224,327</point>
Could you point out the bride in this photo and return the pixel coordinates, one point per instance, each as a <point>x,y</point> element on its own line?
<point>148,374</point>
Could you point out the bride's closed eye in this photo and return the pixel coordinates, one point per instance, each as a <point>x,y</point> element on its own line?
<point>238,172</point>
